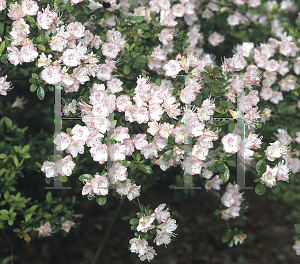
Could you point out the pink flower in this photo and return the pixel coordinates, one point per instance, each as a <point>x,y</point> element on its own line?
<point>283,172</point>
<point>277,96</point>
<point>29,8</point>
<point>19,102</point>
<point>231,143</point>
<point>4,86</point>
<point>28,53</point>
<point>234,19</point>
<point>145,223</point>
<point>238,3</point>
<point>117,173</point>
<point>272,66</point>
<point>2,5</point>
<point>275,150</point>
<point>49,168</point>
<point>138,246</point>
<point>253,3</point>
<point>62,141</point>
<point>214,183</point>
<point>296,247</point>
<point>266,93</point>
<point>44,230</point>
<point>161,214</point>
<point>269,177</point>
<point>215,39</point>
<point>166,36</point>
<point>47,19</point>
<point>134,191</point>
<point>267,50</point>
<point>67,226</point>
<point>51,75</point>
<point>172,68</point>
<point>296,67</point>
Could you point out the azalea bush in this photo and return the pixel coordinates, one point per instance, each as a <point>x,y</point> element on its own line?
<point>150,97</point>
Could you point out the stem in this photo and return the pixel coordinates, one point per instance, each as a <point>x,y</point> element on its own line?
<point>247,166</point>
<point>100,248</point>
<point>11,249</point>
<point>228,225</point>
<point>244,13</point>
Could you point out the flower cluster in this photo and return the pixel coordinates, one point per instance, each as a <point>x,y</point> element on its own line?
<point>164,228</point>
<point>233,200</point>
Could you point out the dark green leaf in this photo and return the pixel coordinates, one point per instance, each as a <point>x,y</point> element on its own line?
<point>168,155</point>
<point>134,221</point>
<point>141,59</point>
<point>40,92</point>
<point>86,177</point>
<point>101,200</point>
<point>146,169</point>
<point>260,189</point>
<point>225,237</point>
<point>275,189</point>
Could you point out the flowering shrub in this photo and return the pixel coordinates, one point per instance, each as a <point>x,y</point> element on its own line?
<point>167,122</point>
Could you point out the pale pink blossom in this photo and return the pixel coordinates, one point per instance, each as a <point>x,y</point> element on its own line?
<point>66,226</point>
<point>145,223</point>
<point>214,183</point>
<point>44,230</point>
<point>215,39</point>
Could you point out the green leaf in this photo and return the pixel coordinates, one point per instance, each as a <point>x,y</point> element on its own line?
<point>35,76</point>
<point>28,217</point>
<point>101,200</point>
<point>63,178</point>
<point>225,176</point>
<point>134,221</point>
<point>171,139</point>
<point>48,196</point>
<point>260,189</point>
<point>25,149</point>
<point>220,167</point>
<point>212,166</point>
<point>168,155</point>
<point>26,155</point>
<point>41,93</point>
<point>297,227</point>
<point>3,156</point>
<point>138,19</point>
<point>231,163</point>
<point>218,149</point>
<point>144,168</point>
<point>2,47</point>
<point>143,26</point>
<point>30,20</point>
<point>86,177</point>
<point>275,189</point>
<point>58,207</point>
<point>126,163</point>
<point>225,237</point>
<point>70,8</point>
<point>138,157</point>
<point>153,18</point>
<point>41,47</point>
<point>126,69</point>
<point>141,59</point>
<point>10,222</point>
<point>158,82</point>
<point>15,159</point>
<point>38,164</point>
<point>261,166</point>
<point>231,126</point>
<point>7,121</point>
<point>33,87</point>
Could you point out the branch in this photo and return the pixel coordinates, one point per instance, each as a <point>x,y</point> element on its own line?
<point>100,248</point>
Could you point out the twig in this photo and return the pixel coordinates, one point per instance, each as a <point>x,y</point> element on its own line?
<point>247,166</point>
<point>11,249</point>
<point>100,248</point>
<point>244,13</point>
